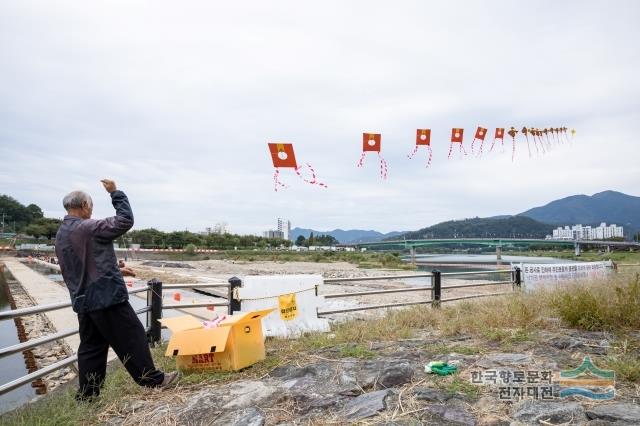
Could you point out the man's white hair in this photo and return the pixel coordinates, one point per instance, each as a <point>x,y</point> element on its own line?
<point>75,200</point>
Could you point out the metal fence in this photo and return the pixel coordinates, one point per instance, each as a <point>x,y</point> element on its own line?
<point>155,306</point>
<point>435,288</point>
<point>153,309</point>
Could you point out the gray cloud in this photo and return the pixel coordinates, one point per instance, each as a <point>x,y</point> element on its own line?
<point>177,102</point>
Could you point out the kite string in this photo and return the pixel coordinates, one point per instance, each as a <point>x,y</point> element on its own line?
<point>314,180</point>
<point>276,180</point>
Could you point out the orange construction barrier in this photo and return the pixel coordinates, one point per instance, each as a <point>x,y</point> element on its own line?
<point>177,296</point>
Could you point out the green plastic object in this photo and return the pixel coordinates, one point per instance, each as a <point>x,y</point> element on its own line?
<point>441,368</point>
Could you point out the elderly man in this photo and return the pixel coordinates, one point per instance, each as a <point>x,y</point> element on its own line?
<point>99,296</point>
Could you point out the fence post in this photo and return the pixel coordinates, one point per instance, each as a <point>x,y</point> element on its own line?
<point>436,288</point>
<point>154,299</point>
<point>234,305</point>
<point>517,279</point>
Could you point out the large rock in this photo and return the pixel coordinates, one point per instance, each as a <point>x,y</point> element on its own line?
<point>247,417</point>
<point>365,405</point>
<point>247,393</point>
<point>431,395</point>
<point>534,412</point>
<point>623,412</point>
<point>504,359</point>
<point>395,375</point>
<point>451,414</point>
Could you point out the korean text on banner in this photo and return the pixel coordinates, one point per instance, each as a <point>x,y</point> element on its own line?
<point>538,274</point>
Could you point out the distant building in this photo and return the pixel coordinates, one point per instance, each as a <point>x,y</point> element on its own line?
<point>284,226</point>
<point>273,234</point>
<point>219,228</point>
<point>579,232</point>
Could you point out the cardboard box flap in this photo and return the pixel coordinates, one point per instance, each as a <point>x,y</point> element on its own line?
<point>186,322</point>
<point>243,317</point>
<point>201,341</point>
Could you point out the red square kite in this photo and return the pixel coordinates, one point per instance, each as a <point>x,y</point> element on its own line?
<point>481,132</point>
<point>423,137</point>
<point>456,137</point>
<point>371,142</point>
<point>282,156</point>
<point>498,135</point>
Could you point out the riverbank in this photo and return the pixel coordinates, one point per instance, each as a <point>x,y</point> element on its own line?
<point>372,371</point>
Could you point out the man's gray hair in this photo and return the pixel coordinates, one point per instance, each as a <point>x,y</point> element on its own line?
<point>75,200</point>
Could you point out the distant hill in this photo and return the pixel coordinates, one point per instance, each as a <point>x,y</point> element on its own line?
<point>608,206</point>
<point>501,226</point>
<point>351,236</point>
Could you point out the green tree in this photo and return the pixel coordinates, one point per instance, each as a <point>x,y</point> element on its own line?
<point>300,240</point>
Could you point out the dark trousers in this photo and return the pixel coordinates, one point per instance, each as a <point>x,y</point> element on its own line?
<point>119,327</point>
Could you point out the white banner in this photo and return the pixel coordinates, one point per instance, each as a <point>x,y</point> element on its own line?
<point>535,274</point>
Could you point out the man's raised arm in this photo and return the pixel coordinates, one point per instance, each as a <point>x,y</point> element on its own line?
<point>113,227</point>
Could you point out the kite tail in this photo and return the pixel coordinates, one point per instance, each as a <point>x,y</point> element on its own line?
<point>513,151</point>
<point>481,144</point>
<point>502,145</point>
<point>277,182</point>
<point>528,147</point>
<point>472,144</point>
<point>492,145</point>
<point>544,151</point>
<point>535,143</point>
<point>361,161</point>
<point>462,150</point>
<point>450,149</point>
<point>314,180</point>
<point>430,155</point>
<point>383,167</point>
<point>410,155</point>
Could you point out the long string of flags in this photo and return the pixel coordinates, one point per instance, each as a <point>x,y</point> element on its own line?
<point>543,140</point>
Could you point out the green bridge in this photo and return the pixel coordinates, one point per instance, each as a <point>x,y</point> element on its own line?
<point>498,243</point>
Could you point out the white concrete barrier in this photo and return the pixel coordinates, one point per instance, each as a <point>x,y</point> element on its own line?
<point>292,296</point>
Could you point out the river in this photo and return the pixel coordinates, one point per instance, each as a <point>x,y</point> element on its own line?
<point>12,366</point>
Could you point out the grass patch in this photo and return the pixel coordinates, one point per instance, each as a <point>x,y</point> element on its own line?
<point>594,306</point>
<point>356,351</point>
<point>457,385</point>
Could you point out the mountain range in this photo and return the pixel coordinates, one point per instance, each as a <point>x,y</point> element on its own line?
<point>609,206</point>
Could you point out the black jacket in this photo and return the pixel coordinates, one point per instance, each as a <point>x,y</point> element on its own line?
<point>87,258</point>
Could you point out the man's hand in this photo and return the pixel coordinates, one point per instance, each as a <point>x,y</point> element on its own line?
<point>127,272</point>
<point>109,185</point>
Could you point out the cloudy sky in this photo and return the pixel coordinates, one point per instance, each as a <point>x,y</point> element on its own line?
<point>176,101</point>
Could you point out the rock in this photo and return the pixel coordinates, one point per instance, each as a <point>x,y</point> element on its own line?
<point>452,414</point>
<point>493,360</point>
<point>431,395</point>
<point>533,412</point>
<point>565,342</point>
<point>365,405</point>
<point>622,412</point>
<point>248,393</point>
<point>395,375</point>
<point>247,417</point>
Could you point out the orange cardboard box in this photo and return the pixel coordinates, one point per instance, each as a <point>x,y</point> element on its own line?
<point>236,343</point>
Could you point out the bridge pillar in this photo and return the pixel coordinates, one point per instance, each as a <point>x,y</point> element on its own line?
<point>608,249</point>
<point>412,251</point>
<point>499,252</point>
<point>577,247</point>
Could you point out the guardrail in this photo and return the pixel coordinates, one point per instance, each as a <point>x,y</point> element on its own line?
<point>435,288</point>
<point>155,306</point>
<point>153,309</point>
